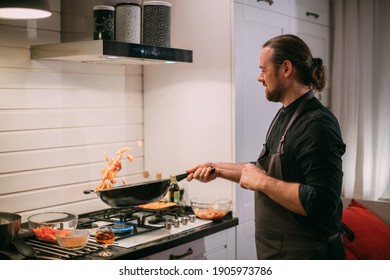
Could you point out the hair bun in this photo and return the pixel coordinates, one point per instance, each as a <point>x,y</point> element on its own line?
<point>317,62</point>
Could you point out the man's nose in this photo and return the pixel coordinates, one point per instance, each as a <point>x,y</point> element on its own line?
<point>260,78</point>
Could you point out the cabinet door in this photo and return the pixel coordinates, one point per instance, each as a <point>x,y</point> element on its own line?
<point>315,11</point>
<point>253,27</point>
<point>317,37</point>
<point>276,6</point>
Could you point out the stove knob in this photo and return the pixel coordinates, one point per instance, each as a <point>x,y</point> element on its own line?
<point>168,225</point>
<point>176,223</point>
<point>184,220</point>
<point>192,218</point>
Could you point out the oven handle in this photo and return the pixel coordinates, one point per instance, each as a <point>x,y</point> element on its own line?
<point>185,254</point>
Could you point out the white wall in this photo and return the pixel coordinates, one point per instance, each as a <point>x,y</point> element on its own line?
<point>189,107</point>
<point>57,119</point>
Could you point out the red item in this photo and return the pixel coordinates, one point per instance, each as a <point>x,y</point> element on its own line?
<point>372,235</point>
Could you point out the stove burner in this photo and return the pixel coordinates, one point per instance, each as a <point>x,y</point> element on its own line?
<point>122,227</point>
<point>116,214</point>
<point>158,218</point>
<point>129,221</point>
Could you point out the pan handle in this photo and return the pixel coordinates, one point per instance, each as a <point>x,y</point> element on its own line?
<point>178,178</point>
<point>184,175</point>
<point>88,191</point>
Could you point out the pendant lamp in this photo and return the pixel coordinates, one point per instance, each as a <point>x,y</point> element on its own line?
<point>24,9</point>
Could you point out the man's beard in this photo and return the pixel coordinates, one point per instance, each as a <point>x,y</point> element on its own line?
<point>275,95</point>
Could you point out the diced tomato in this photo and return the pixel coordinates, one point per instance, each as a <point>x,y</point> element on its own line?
<point>46,233</point>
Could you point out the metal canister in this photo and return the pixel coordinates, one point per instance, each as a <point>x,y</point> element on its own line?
<point>128,22</point>
<point>157,23</point>
<point>104,22</point>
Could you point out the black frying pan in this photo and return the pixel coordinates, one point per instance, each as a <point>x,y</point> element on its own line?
<point>135,194</point>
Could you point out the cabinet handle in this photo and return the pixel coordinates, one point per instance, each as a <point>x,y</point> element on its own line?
<point>185,254</point>
<point>270,2</point>
<point>308,14</point>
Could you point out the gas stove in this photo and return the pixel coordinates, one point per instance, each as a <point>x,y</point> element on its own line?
<point>134,226</point>
<point>136,230</point>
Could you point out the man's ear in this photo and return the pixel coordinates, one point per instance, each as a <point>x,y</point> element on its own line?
<point>286,68</point>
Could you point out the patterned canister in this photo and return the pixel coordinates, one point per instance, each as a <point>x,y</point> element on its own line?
<point>128,22</point>
<point>157,23</point>
<point>104,22</point>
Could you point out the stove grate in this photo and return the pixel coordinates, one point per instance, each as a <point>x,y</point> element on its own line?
<point>54,250</point>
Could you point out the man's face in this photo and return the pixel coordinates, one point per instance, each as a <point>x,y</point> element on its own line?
<point>269,76</point>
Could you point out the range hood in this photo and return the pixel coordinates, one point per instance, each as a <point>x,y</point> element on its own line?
<point>111,52</point>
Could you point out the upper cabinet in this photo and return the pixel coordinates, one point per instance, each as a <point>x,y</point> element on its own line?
<point>310,20</point>
<point>276,6</point>
<point>315,11</point>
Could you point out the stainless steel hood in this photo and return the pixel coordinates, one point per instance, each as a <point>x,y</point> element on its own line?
<point>111,52</point>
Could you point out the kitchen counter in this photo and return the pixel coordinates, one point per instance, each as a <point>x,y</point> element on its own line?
<point>171,241</point>
<point>144,249</point>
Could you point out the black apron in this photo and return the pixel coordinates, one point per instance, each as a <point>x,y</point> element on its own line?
<point>278,234</point>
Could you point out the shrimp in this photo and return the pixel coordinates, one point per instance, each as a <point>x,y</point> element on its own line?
<point>110,171</point>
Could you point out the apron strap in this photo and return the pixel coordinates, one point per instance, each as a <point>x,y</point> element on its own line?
<point>296,113</point>
<point>272,125</point>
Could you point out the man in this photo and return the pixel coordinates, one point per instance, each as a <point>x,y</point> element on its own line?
<point>298,176</point>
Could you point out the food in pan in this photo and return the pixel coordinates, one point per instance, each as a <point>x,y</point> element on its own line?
<point>110,171</point>
<point>157,205</point>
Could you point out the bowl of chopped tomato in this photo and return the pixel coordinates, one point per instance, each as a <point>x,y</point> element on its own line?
<point>210,208</point>
<point>46,225</point>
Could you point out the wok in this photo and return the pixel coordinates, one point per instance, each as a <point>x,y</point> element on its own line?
<point>135,194</point>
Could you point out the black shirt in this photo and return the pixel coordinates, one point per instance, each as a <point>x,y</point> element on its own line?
<point>312,156</point>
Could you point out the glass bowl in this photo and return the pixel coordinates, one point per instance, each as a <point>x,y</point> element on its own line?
<point>45,225</point>
<point>210,208</point>
<point>72,239</point>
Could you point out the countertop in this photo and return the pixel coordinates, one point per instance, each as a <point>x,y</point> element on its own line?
<point>146,249</point>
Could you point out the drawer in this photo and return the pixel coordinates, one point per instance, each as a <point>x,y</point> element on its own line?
<point>197,249</point>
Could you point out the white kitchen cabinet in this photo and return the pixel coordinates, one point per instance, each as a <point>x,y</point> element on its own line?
<point>310,21</point>
<point>253,26</point>
<point>275,6</point>
<point>317,37</point>
<point>315,11</point>
<point>218,246</point>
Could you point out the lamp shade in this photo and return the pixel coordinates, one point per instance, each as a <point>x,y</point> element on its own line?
<point>24,9</point>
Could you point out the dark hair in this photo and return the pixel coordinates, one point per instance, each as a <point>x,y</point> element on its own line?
<point>310,71</point>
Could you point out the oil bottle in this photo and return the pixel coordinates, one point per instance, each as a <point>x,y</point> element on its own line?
<point>174,191</point>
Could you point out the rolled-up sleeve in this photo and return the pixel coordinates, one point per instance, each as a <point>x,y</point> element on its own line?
<point>319,153</point>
